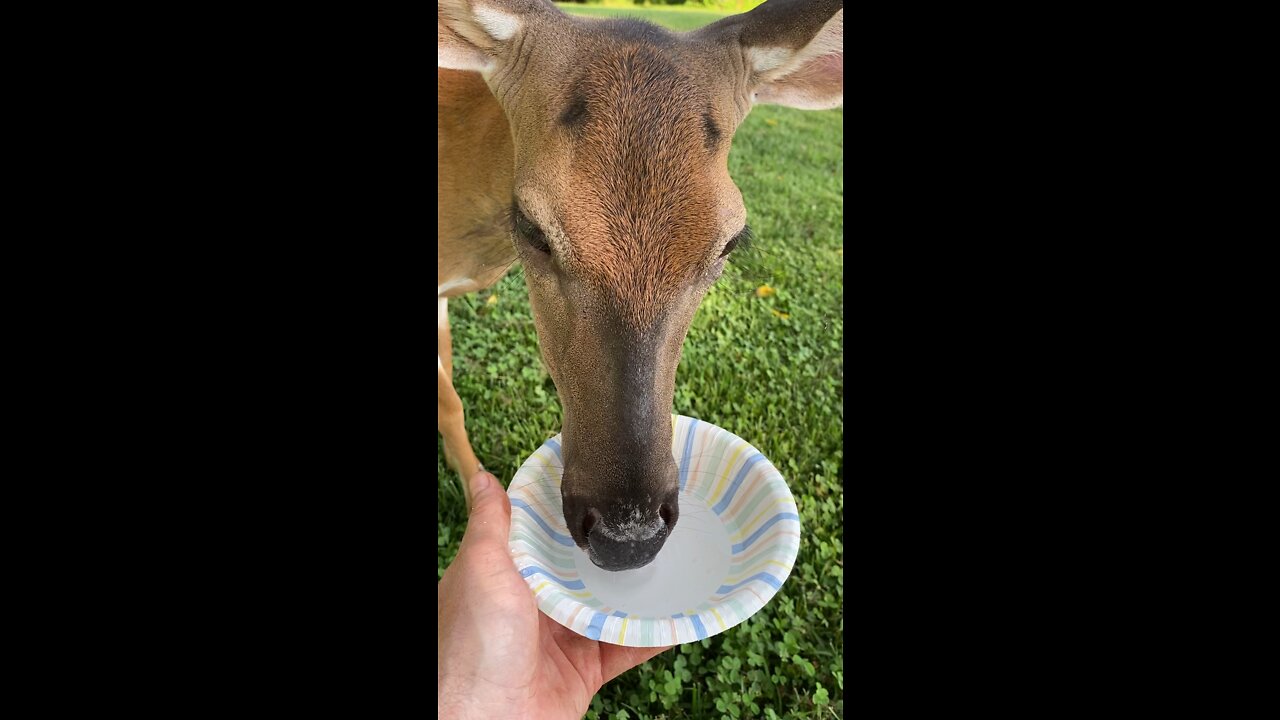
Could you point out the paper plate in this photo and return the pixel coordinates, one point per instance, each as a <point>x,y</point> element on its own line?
<point>734,545</point>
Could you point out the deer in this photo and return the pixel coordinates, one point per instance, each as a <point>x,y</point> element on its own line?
<point>595,153</point>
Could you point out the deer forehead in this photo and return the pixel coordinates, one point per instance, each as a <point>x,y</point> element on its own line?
<point>635,162</point>
<point>593,77</point>
<point>643,226</point>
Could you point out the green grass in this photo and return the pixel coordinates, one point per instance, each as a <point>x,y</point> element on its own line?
<point>770,369</point>
<point>674,17</point>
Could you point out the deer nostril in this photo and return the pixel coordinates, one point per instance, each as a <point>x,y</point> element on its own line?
<point>665,513</point>
<point>589,521</point>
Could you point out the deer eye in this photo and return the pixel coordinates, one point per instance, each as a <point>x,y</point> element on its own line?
<point>741,239</point>
<point>529,232</point>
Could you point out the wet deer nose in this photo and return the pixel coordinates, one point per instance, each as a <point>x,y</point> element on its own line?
<point>629,544</point>
<point>589,521</point>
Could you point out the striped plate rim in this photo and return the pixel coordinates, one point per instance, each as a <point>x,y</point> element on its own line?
<point>735,480</point>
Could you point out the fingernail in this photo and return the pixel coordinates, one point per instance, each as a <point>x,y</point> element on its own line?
<point>480,482</point>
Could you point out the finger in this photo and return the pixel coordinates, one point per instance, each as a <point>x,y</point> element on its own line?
<point>615,659</point>
<point>490,521</point>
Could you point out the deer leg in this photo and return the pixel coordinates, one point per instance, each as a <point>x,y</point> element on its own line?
<point>449,421</point>
<point>444,341</point>
<point>449,416</point>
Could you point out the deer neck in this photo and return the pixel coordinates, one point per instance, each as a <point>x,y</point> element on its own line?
<point>474,167</point>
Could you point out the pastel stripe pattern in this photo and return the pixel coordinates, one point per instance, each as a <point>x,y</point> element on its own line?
<point>734,479</point>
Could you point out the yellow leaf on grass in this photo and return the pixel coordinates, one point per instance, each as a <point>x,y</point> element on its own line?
<point>782,315</point>
<point>493,300</point>
<point>764,291</point>
<point>770,121</point>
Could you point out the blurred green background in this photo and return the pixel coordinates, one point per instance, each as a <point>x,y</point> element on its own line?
<point>764,359</point>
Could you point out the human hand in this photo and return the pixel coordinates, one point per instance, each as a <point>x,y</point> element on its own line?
<point>497,654</point>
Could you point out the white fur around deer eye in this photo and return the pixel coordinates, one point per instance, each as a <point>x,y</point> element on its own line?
<point>531,233</point>
<point>742,237</point>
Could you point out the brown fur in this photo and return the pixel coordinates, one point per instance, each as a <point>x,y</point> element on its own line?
<point>646,215</point>
<point>474,171</point>
<point>613,138</point>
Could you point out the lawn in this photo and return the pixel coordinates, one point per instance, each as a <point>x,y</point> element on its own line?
<point>675,17</point>
<point>764,359</point>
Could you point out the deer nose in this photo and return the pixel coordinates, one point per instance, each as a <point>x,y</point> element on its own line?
<point>627,543</point>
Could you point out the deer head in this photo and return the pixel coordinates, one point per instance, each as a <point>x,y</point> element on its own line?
<point>623,214</point>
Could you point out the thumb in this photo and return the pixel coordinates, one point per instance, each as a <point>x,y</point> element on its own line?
<point>490,520</point>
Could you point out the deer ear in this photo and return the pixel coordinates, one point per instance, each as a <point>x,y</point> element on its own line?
<point>471,34</point>
<point>794,51</point>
